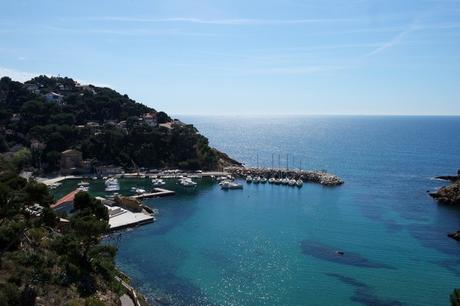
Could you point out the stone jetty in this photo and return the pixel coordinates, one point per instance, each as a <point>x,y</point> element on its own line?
<point>320,177</point>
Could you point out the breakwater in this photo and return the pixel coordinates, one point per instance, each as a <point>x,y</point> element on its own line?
<point>316,176</point>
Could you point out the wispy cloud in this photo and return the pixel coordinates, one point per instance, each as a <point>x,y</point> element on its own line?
<point>133,32</point>
<point>395,40</point>
<point>294,70</point>
<point>235,21</point>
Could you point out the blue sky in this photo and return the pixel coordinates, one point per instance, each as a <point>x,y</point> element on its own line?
<point>246,57</point>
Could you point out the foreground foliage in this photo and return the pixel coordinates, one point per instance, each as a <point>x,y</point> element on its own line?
<point>45,264</point>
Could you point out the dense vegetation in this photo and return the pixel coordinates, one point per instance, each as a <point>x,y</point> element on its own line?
<point>44,129</point>
<point>43,263</point>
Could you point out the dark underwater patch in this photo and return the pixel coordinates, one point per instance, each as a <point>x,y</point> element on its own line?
<point>325,252</point>
<point>451,265</point>
<point>362,293</point>
<point>217,257</point>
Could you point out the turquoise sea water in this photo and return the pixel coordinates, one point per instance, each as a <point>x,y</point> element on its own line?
<point>276,245</point>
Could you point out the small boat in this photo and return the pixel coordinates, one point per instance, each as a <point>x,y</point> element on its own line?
<point>292,182</point>
<point>111,180</point>
<point>248,179</point>
<point>221,178</point>
<point>256,180</point>
<point>158,182</point>
<point>83,183</point>
<point>299,183</point>
<point>139,191</point>
<point>83,188</point>
<point>263,180</point>
<point>187,182</point>
<point>112,185</point>
<point>54,185</point>
<point>230,185</point>
<point>112,188</point>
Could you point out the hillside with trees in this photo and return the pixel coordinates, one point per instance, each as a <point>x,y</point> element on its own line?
<point>47,115</point>
<point>44,261</point>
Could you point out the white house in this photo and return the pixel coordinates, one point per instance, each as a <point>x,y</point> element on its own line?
<point>54,97</point>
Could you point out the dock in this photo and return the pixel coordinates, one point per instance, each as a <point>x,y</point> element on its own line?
<point>121,218</point>
<point>157,192</point>
<point>51,181</point>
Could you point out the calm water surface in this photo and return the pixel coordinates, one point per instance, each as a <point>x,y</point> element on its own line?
<point>276,245</point>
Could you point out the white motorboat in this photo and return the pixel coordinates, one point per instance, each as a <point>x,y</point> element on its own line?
<point>158,182</point>
<point>187,182</point>
<point>263,180</point>
<point>230,185</point>
<point>292,182</point>
<point>112,188</point>
<point>256,180</point>
<point>284,181</point>
<point>54,185</point>
<point>271,180</point>
<point>221,178</point>
<point>83,188</point>
<point>139,191</point>
<point>299,183</point>
<point>248,179</point>
<point>112,185</point>
<point>83,183</point>
<point>111,180</point>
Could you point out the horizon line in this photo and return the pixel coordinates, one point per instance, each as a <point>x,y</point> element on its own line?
<point>314,115</point>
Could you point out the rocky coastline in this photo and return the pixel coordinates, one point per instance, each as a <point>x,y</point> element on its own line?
<point>449,195</point>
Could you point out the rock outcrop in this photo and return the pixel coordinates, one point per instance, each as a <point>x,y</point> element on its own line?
<point>449,194</point>
<point>454,235</point>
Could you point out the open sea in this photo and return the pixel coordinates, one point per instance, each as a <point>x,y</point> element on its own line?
<point>276,245</point>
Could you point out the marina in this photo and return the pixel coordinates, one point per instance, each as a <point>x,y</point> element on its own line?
<point>284,176</point>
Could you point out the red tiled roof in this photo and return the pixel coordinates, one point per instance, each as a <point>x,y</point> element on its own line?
<point>65,199</point>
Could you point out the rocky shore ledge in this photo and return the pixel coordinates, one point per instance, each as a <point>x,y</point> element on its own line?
<point>320,177</point>
<point>448,194</point>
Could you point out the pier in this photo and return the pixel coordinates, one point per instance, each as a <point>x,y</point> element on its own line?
<point>157,192</point>
<point>319,177</point>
